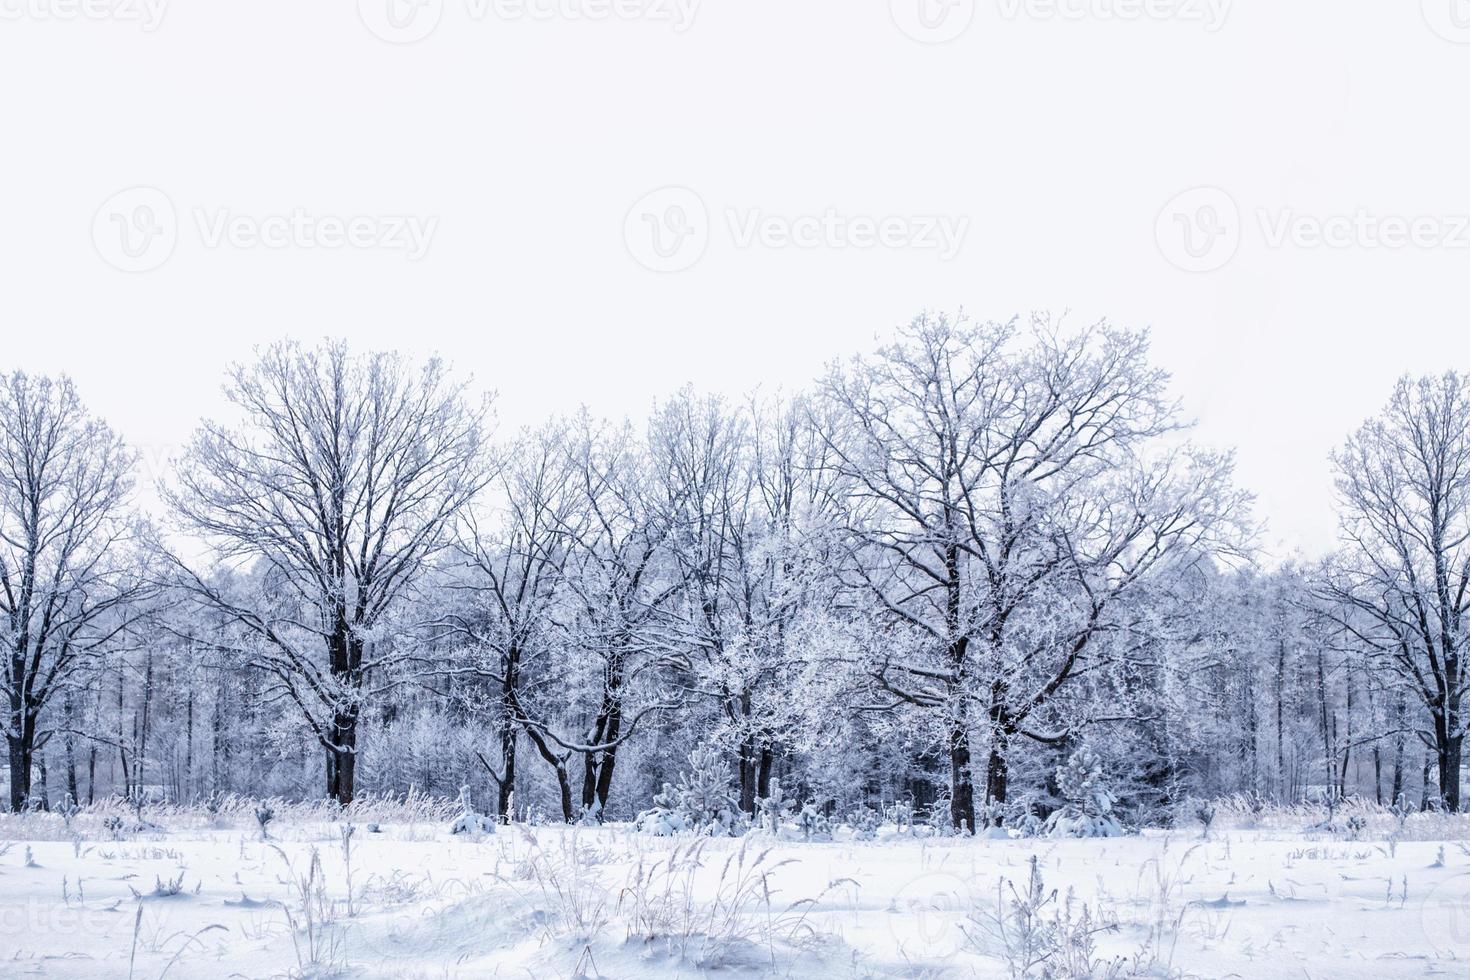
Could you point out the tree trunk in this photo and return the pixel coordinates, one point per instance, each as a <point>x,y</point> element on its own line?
<point>1283,787</point>
<point>20,773</point>
<point>1251,735</point>
<point>763,771</point>
<point>1398,751</point>
<point>564,789</point>
<point>188,783</point>
<point>747,757</point>
<point>598,766</point>
<point>1448,758</point>
<point>69,748</point>
<point>505,789</point>
<point>1449,776</point>
<point>345,651</point>
<point>141,727</point>
<point>1347,742</point>
<point>558,765</point>
<point>997,774</point>
<point>961,780</point>
<point>1328,725</point>
<point>997,767</point>
<point>342,756</point>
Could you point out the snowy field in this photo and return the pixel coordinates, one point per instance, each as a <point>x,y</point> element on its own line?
<point>201,895</point>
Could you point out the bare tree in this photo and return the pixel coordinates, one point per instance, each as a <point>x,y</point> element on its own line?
<point>69,579</point>
<point>615,592</point>
<point>701,450</point>
<point>340,482</point>
<point>1005,502</point>
<point>1399,586</point>
<point>512,558</point>
<point>560,577</point>
<point>748,498</point>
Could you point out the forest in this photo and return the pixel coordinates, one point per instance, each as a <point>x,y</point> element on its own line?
<point>947,567</point>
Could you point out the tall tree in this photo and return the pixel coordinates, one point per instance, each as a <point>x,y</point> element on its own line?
<point>614,589</point>
<point>69,581</point>
<point>1009,493</point>
<point>340,482</point>
<point>512,557</point>
<point>1401,583</point>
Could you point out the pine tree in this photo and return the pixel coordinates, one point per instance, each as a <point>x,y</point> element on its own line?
<point>1089,808</point>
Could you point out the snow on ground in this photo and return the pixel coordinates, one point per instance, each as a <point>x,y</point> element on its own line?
<point>415,901</point>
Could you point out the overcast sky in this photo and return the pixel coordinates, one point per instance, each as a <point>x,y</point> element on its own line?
<point>598,202</point>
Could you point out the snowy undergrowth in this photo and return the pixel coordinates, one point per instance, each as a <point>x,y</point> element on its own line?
<point>203,895</point>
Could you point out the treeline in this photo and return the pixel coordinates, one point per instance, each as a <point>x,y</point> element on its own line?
<point>930,578</point>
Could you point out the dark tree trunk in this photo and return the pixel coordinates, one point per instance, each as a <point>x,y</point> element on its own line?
<point>558,765</point>
<point>597,775</point>
<point>997,774</point>
<point>22,743</point>
<point>997,766</point>
<point>505,788</point>
<point>345,651</point>
<point>188,787</point>
<point>1453,740</point>
<point>1448,759</point>
<point>763,775</point>
<point>1251,736</point>
<point>20,773</point>
<point>598,767</point>
<point>69,747</point>
<point>591,767</point>
<point>1398,751</point>
<point>1347,742</point>
<point>342,757</point>
<point>217,745</point>
<point>1283,785</point>
<point>1327,723</point>
<point>961,778</point>
<point>564,790</point>
<point>748,751</point>
<point>961,781</point>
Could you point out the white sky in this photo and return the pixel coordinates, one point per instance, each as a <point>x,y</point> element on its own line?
<point>1060,138</point>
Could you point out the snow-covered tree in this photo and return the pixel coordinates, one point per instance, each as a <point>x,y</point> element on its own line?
<point>1400,586</point>
<point>339,480</point>
<point>71,580</point>
<point>1089,799</point>
<point>1011,489</point>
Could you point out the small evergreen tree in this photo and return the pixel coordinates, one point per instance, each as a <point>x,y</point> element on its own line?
<point>1088,811</point>
<point>702,803</point>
